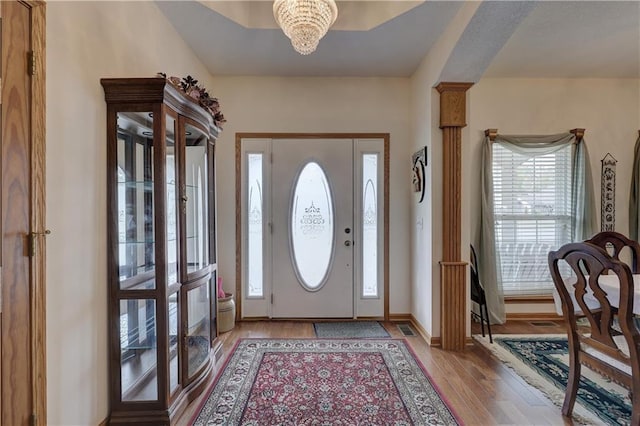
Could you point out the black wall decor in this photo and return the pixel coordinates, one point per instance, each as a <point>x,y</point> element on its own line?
<point>608,194</point>
<point>419,163</point>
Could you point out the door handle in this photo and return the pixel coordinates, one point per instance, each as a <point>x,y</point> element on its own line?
<point>347,243</point>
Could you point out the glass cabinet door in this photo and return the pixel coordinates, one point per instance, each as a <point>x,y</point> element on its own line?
<point>197,329</point>
<point>136,256</point>
<point>172,246</point>
<point>138,350</point>
<point>135,197</point>
<point>172,198</point>
<point>173,342</point>
<point>196,198</point>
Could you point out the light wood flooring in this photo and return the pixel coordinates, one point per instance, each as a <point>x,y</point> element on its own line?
<point>481,390</point>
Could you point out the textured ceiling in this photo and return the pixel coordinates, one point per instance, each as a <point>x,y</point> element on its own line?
<point>575,39</point>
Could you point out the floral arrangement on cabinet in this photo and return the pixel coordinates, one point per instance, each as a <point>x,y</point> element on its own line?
<point>189,86</point>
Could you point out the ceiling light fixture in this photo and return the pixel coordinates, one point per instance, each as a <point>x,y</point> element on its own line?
<point>305,22</point>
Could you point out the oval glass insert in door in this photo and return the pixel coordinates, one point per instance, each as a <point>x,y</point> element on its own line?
<point>312,227</point>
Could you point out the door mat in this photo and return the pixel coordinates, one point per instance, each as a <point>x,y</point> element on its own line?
<point>350,330</point>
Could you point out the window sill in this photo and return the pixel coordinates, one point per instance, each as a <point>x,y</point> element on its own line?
<point>547,298</point>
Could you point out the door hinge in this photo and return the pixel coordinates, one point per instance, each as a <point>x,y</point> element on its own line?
<point>34,419</point>
<point>33,241</point>
<point>32,244</point>
<point>271,157</point>
<point>31,63</point>
<point>272,298</point>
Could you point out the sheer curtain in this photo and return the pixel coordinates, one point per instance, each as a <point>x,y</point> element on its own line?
<point>583,219</point>
<point>634,198</point>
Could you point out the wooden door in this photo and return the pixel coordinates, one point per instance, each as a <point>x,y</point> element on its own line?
<point>22,194</point>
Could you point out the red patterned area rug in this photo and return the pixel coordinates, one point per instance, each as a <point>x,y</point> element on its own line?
<point>323,382</point>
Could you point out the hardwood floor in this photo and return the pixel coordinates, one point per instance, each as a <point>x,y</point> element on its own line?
<point>481,390</point>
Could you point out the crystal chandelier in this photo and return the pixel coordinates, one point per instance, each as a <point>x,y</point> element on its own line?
<point>305,22</point>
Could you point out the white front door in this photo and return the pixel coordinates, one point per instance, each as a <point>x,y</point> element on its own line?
<point>312,228</point>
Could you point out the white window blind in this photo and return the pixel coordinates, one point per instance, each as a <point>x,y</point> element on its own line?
<point>532,205</point>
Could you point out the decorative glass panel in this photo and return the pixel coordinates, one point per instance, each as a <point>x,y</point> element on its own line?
<point>136,248</point>
<point>370,225</point>
<point>172,213</point>
<point>312,226</point>
<point>173,341</point>
<point>138,350</point>
<point>255,215</point>
<point>198,332</point>
<point>197,199</point>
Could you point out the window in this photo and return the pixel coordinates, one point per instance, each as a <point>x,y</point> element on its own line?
<point>369,219</point>
<point>532,206</point>
<point>255,225</point>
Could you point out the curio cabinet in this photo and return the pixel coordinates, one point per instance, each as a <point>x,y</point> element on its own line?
<point>161,249</point>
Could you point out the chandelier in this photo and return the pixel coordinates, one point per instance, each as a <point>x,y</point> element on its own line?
<point>305,22</point>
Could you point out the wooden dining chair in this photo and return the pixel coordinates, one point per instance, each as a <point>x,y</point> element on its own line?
<point>617,241</point>
<point>616,357</point>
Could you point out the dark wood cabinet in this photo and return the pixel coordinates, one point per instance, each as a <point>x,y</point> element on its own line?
<point>161,249</point>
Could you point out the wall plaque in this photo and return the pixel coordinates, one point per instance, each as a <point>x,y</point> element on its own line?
<point>608,194</point>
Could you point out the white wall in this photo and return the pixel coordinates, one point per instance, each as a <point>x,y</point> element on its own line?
<point>323,105</point>
<point>87,41</point>
<point>426,217</point>
<point>609,110</point>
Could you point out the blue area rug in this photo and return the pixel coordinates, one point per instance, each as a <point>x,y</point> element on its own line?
<point>350,330</point>
<point>542,361</point>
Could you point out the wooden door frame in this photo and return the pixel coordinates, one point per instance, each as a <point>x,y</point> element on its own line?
<point>38,211</point>
<point>238,181</point>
